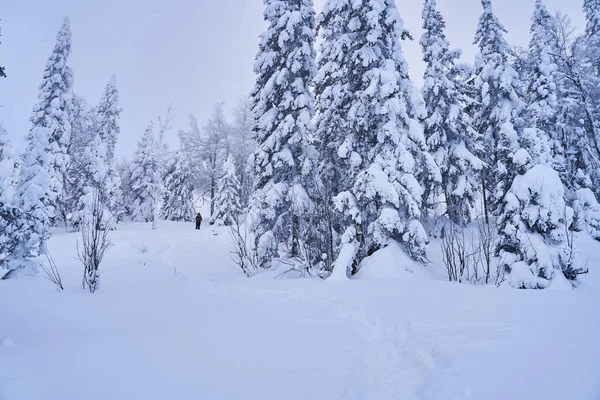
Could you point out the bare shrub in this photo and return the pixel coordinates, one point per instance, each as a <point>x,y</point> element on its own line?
<point>51,270</point>
<point>468,253</point>
<point>487,240</point>
<point>94,240</point>
<point>242,253</point>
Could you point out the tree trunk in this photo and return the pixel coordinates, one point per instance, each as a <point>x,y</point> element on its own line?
<point>294,235</point>
<point>485,201</point>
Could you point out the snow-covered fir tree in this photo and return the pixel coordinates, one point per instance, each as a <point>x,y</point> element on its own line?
<point>124,169</point>
<point>145,178</point>
<point>41,183</point>
<point>591,9</point>
<point>450,137</point>
<point>542,97</point>
<point>498,114</point>
<point>81,126</point>
<point>227,205</point>
<point>178,196</point>
<point>15,239</point>
<point>363,88</point>
<point>94,177</point>
<point>282,103</point>
<point>542,107</point>
<point>108,118</point>
<point>106,123</point>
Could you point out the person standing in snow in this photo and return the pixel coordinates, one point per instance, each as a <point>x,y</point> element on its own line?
<point>198,220</point>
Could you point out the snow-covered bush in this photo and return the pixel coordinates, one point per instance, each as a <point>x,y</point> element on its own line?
<point>533,230</point>
<point>586,213</point>
<point>15,236</point>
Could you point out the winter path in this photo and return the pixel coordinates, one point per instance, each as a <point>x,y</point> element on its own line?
<point>174,319</point>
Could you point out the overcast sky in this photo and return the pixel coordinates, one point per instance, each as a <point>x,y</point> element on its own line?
<point>191,53</point>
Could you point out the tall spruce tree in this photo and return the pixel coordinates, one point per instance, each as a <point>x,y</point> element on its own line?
<point>368,127</point>
<point>81,125</point>
<point>282,104</point>
<point>498,114</point>
<point>107,125</point>
<point>542,89</point>
<point>108,118</point>
<point>332,89</point>
<point>450,137</point>
<point>41,183</point>
<point>542,107</point>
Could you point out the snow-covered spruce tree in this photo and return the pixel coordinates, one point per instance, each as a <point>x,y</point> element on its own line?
<point>178,196</point>
<point>124,169</point>
<point>498,114</point>
<point>284,163</point>
<point>363,87</point>
<point>227,204</point>
<point>81,125</point>
<point>108,118</point>
<point>145,178</point>
<point>41,184</point>
<point>450,137</point>
<point>14,225</point>
<point>15,237</point>
<point>333,99</point>
<point>542,90</point>
<point>107,126</point>
<point>95,175</point>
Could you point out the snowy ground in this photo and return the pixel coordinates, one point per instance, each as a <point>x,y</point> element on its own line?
<point>174,320</point>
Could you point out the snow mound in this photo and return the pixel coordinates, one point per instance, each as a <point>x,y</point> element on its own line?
<point>343,262</point>
<point>390,263</point>
<point>559,282</point>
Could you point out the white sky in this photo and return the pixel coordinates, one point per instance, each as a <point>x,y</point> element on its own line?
<point>191,53</point>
